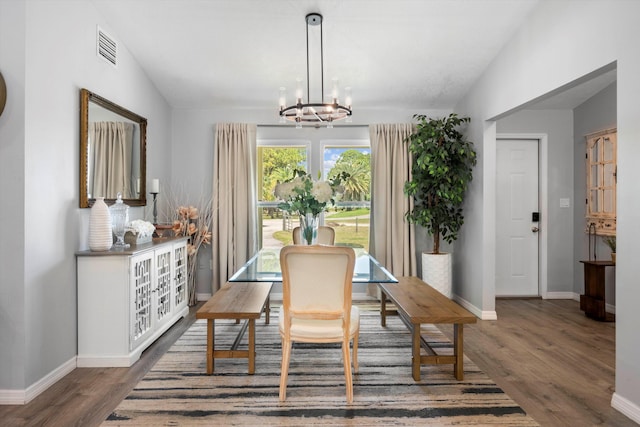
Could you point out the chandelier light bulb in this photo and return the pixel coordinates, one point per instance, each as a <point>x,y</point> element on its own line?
<point>347,97</point>
<point>299,91</point>
<point>283,98</point>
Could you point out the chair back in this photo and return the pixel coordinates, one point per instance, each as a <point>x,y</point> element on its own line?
<point>326,235</point>
<point>317,281</point>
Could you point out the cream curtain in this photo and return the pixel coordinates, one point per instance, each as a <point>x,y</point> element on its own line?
<point>392,238</point>
<point>234,200</point>
<point>110,159</point>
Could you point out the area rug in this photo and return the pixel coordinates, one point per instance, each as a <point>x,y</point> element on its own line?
<point>178,392</point>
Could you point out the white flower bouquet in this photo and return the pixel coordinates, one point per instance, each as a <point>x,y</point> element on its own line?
<point>303,195</point>
<point>139,231</point>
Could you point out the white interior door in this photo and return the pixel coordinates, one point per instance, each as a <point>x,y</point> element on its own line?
<point>516,227</point>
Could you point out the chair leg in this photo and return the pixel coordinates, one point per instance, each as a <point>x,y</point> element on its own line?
<point>284,369</point>
<point>355,351</point>
<point>347,369</point>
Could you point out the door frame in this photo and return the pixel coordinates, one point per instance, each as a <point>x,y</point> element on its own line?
<point>543,184</point>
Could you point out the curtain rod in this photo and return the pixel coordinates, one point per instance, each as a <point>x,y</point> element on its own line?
<point>310,126</point>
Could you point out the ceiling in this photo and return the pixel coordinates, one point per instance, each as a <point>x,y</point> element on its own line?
<point>408,54</point>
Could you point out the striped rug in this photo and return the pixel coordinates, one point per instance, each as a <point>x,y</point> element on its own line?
<point>178,392</point>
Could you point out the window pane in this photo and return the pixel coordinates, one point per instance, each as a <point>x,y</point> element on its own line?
<point>350,218</point>
<point>595,176</point>
<point>609,169</point>
<point>595,148</point>
<point>275,227</point>
<point>595,206</point>
<point>276,164</point>
<point>608,149</point>
<point>356,161</point>
<point>608,201</point>
<point>351,226</point>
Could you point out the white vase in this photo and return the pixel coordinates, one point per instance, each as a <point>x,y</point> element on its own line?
<point>436,272</point>
<point>100,234</point>
<point>309,229</point>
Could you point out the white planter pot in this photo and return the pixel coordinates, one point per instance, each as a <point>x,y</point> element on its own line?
<point>436,271</point>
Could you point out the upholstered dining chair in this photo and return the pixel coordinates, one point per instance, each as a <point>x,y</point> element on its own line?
<point>316,304</point>
<point>326,235</point>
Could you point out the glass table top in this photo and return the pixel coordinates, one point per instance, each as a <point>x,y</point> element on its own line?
<point>265,267</point>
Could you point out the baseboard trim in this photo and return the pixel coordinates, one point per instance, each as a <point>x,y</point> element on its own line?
<point>203,297</point>
<point>609,308</point>
<point>561,295</point>
<point>480,314</point>
<point>628,408</point>
<point>12,397</point>
<point>22,397</point>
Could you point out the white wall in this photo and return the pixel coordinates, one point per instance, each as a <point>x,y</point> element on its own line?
<point>56,58</point>
<point>555,47</point>
<point>556,221</point>
<point>12,215</point>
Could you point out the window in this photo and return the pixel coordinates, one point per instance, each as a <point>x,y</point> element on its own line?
<point>350,217</point>
<point>601,181</point>
<point>276,161</point>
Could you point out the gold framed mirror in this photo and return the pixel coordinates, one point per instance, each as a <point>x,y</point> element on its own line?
<point>3,94</point>
<point>113,152</point>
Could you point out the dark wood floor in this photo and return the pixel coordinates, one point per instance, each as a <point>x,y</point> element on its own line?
<point>552,360</point>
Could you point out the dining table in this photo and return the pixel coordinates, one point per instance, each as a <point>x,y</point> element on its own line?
<point>247,295</point>
<point>264,266</point>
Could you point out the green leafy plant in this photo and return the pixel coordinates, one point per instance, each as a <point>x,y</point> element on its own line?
<point>610,241</point>
<point>442,165</point>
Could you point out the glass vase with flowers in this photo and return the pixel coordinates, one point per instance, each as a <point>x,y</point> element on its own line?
<point>308,198</point>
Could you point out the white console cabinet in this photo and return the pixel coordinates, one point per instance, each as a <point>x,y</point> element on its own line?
<point>127,299</point>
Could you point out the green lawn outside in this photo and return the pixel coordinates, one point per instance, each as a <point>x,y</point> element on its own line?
<point>346,213</point>
<point>351,227</point>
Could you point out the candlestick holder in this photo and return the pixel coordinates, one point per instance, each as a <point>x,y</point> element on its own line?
<point>155,209</point>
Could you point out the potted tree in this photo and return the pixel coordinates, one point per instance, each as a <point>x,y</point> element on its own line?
<point>442,165</point>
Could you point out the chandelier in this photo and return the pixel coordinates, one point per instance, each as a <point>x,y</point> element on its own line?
<point>315,112</point>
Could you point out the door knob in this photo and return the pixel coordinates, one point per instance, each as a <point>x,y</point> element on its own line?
<point>535,229</point>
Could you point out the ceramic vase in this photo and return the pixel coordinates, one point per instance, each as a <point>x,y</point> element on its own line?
<point>100,235</point>
<point>309,229</point>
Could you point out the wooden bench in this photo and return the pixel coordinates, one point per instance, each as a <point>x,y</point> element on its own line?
<point>235,300</point>
<point>418,303</point>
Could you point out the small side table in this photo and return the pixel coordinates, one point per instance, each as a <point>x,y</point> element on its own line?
<point>593,300</point>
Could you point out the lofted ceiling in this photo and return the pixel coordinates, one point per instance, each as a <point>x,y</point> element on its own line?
<point>409,54</point>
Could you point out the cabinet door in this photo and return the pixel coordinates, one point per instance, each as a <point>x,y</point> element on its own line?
<point>601,182</point>
<point>180,296</point>
<point>162,291</point>
<point>141,286</point>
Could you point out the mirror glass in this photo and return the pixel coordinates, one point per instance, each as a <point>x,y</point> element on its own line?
<point>112,152</point>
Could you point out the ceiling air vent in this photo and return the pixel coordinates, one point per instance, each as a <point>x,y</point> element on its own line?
<point>107,47</point>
